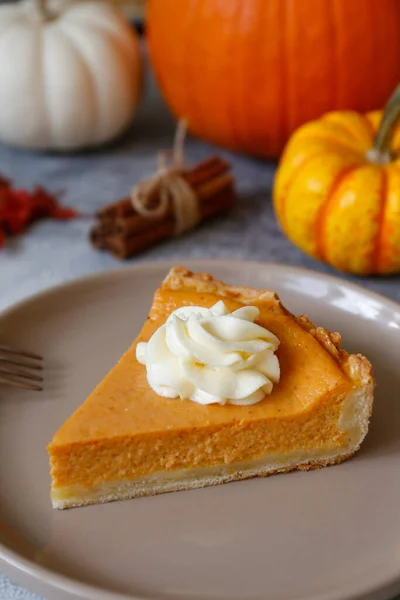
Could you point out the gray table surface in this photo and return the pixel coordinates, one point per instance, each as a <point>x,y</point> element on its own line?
<point>51,253</point>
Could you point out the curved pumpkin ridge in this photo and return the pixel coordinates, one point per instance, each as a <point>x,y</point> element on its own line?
<point>304,74</point>
<point>222,117</point>
<point>215,70</point>
<point>332,23</point>
<point>354,124</point>
<point>236,83</point>
<point>160,37</point>
<point>374,118</point>
<point>91,117</point>
<point>331,131</point>
<point>390,250</point>
<point>259,118</point>
<point>388,28</point>
<point>378,244</point>
<point>351,224</point>
<point>338,129</point>
<point>283,70</point>
<point>280,200</point>
<point>324,211</point>
<point>347,44</point>
<point>287,82</point>
<point>295,159</point>
<point>320,134</point>
<point>193,110</point>
<point>370,124</point>
<point>333,143</point>
<point>336,75</point>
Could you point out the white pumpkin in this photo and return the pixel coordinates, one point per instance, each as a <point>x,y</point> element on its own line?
<point>70,76</point>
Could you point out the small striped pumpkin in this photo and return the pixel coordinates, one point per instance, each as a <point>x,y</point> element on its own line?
<point>337,190</point>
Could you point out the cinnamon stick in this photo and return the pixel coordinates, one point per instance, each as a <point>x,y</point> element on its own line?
<point>134,223</point>
<point>124,232</point>
<point>123,246</point>
<point>201,173</point>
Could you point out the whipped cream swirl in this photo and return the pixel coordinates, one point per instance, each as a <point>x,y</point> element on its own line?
<point>211,356</point>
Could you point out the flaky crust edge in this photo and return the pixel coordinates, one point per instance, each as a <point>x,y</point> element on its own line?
<point>356,366</point>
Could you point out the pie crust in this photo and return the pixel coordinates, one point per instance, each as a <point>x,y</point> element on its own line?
<point>350,403</point>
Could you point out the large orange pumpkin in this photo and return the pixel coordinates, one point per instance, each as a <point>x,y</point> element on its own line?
<point>246,73</point>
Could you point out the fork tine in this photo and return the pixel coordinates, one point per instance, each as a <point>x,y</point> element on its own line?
<point>24,353</point>
<point>16,371</point>
<point>23,374</point>
<point>28,365</point>
<point>14,381</point>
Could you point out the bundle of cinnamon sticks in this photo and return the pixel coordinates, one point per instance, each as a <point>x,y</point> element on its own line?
<point>124,232</point>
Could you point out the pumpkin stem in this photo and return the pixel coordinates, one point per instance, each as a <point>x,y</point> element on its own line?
<point>380,152</point>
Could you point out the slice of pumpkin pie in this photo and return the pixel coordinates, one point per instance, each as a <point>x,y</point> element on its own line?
<point>222,384</point>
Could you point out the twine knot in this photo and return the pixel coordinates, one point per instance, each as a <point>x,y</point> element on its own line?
<point>153,197</point>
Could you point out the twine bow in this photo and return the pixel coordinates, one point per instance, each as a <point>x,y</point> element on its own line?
<point>171,187</point>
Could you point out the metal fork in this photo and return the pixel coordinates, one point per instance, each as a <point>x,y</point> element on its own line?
<point>20,368</point>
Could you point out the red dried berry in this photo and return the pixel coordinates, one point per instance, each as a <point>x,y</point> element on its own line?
<point>19,208</point>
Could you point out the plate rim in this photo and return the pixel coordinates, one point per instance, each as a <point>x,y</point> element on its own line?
<point>79,589</point>
<point>166,263</point>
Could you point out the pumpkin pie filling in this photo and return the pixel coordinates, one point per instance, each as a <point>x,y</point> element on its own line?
<point>127,441</point>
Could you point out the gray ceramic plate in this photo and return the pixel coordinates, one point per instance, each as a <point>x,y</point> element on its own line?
<point>329,534</point>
